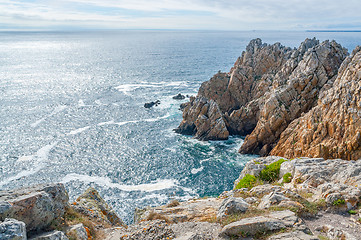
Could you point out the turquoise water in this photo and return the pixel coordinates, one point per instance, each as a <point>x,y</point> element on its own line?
<point>71,108</point>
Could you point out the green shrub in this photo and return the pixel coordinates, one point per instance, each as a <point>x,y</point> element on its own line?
<point>338,202</point>
<point>249,181</point>
<point>287,178</point>
<point>352,212</point>
<point>271,172</point>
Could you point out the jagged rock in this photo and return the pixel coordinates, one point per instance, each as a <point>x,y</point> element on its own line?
<point>36,206</point>
<point>264,189</point>
<point>92,204</point>
<point>54,235</point>
<point>332,128</point>
<point>295,235</point>
<point>251,226</point>
<point>151,104</point>
<point>268,87</point>
<point>231,206</point>
<point>203,118</point>
<point>335,233</point>
<point>179,97</point>
<point>272,199</point>
<point>12,229</point>
<point>78,231</point>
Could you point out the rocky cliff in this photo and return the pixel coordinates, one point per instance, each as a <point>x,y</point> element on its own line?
<point>332,129</point>
<point>268,87</point>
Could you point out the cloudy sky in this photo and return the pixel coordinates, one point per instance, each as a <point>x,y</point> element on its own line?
<point>181,14</point>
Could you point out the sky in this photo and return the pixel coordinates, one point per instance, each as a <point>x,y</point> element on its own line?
<point>297,15</point>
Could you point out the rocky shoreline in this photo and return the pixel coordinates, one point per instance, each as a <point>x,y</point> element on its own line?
<point>300,102</point>
<point>274,198</point>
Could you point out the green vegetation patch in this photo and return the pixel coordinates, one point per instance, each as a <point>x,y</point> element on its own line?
<point>338,202</point>
<point>272,171</point>
<point>287,178</point>
<point>249,181</point>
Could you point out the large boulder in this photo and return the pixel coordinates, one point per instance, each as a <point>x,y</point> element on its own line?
<point>36,206</point>
<point>231,206</point>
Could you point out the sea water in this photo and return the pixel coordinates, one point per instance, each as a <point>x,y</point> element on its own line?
<point>71,111</point>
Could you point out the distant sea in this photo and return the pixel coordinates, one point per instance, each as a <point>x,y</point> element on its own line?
<point>71,111</point>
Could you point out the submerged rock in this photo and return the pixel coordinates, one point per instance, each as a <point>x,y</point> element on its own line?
<point>179,97</point>
<point>151,104</point>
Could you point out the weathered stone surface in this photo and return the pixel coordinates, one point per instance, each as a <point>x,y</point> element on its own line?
<point>78,231</point>
<point>92,204</point>
<point>251,226</point>
<point>295,235</point>
<point>196,230</point>
<point>232,205</point>
<point>272,199</point>
<point>54,235</point>
<point>36,206</point>
<point>332,128</point>
<point>192,210</point>
<point>12,229</point>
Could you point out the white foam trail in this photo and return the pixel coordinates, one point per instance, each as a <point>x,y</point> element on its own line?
<point>106,182</point>
<point>41,157</point>
<point>197,170</point>
<point>106,123</point>
<point>25,158</point>
<point>79,130</point>
<point>56,110</point>
<point>133,121</point>
<point>126,88</point>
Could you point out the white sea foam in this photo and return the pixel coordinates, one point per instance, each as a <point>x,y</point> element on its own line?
<point>106,123</point>
<point>133,121</point>
<point>81,103</point>
<point>160,184</point>
<point>56,110</point>
<point>79,130</point>
<point>41,157</point>
<point>197,170</point>
<point>25,158</point>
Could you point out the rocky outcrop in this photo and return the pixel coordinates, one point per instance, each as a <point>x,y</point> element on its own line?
<point>36,206</point>
<point>91,204</point>
<point>268,87</point>
<point>203,118</point>
<point>332,129</point>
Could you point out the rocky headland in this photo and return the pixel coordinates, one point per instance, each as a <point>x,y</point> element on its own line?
<point>301,106</point>
<point>300,102</point>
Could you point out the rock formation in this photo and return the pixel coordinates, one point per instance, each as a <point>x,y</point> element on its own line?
<point>332,129</point>
<point>268,87</point>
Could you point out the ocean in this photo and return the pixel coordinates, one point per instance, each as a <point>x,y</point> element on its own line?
<point>71,111</point>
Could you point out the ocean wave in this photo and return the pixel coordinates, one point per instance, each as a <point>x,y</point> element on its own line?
<point>197,170</point>
<point>112,122</point>
<point>160,184</point>
<point>56,110</point>
<point>40,157</point>
<point>79,130</point>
